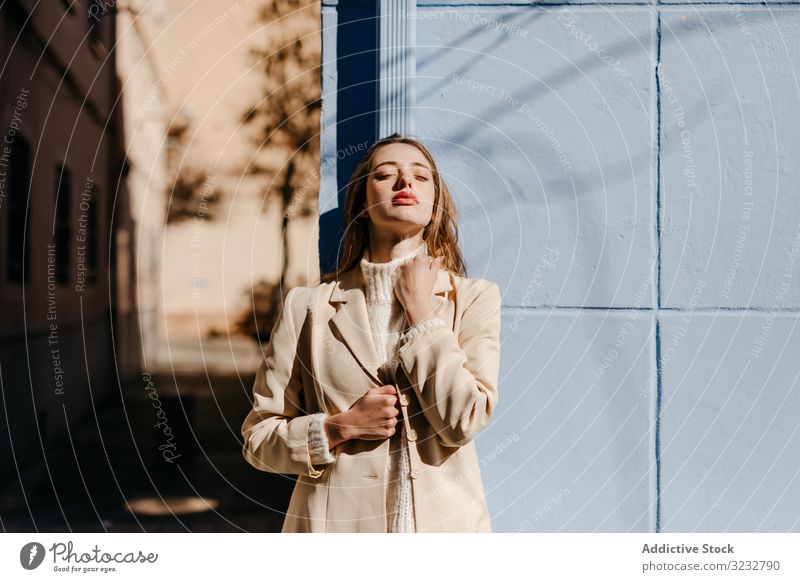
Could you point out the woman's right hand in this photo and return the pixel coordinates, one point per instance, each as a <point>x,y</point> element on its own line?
<point>374,416</point>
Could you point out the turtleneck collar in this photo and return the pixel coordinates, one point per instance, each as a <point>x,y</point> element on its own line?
<point>377,277</point>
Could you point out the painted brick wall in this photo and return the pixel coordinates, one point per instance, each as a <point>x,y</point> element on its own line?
<point>628,173</point>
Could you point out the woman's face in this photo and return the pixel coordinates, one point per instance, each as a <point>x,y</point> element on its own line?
<point>400,189</point>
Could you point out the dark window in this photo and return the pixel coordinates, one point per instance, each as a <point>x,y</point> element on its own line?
<point>95,10</point>
<point>63,225</point>
<point>17,243</point>
<point>92,243</point>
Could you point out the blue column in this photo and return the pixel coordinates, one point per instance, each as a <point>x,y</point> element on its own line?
<point>397,68</point>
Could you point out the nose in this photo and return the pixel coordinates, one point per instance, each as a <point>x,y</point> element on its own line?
<point>403,179</point>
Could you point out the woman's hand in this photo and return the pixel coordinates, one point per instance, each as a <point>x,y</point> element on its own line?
<point>372,417</point>
<point>413,286</point>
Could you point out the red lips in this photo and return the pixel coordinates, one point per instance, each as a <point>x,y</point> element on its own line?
<point>405,198</point>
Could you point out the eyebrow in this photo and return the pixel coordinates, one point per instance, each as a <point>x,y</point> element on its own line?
<point>395,163</point>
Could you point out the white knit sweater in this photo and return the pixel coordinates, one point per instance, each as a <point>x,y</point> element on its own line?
<point>387,324</point>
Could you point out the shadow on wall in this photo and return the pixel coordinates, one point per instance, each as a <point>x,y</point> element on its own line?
<point>356,106</point>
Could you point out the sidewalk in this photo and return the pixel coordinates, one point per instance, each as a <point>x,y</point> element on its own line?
<point>83,480</point>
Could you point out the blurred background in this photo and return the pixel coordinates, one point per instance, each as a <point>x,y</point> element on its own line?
<point>148,240</point>
<point>626,172</point>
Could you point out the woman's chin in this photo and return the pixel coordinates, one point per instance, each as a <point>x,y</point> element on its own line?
<point>409,221</point>
<point>403,216</point>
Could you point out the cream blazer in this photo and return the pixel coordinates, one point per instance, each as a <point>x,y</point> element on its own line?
<point>321,358</point>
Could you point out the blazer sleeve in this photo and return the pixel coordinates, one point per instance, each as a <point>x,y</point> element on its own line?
<point>455,378</point>
<point>276,430</point>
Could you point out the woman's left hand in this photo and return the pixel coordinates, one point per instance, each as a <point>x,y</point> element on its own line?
<point>413,286</point>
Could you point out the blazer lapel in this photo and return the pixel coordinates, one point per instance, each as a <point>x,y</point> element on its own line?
<point>441,292</point>
<point>351,319</point>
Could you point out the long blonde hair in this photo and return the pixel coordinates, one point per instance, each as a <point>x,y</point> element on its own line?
<point>440,235</point>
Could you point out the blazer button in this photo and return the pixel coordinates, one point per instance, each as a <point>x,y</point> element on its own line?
<point>403,400</point>
<point>412,435</point>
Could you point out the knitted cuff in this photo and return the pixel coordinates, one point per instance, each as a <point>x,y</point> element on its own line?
<point>426,324</point>
<point>318,447</point>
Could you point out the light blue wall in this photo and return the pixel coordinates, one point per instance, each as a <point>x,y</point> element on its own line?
<point>628,174</point>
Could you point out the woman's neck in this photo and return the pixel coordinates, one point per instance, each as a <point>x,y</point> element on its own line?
<point>383,249</point>
<point>377,276</point>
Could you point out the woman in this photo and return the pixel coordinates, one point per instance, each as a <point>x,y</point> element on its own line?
<point>376,381</point>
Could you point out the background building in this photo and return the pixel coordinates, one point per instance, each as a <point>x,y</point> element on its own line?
<point>143,249</point>
<point>230,235</point>
<point>62,168</point>
<point>141,231</point>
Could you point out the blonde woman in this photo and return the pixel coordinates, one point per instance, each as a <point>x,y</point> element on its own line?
<point>376,381</point>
